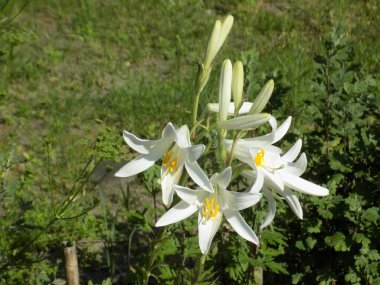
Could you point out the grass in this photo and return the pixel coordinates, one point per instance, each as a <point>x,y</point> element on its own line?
<point>132,64</point>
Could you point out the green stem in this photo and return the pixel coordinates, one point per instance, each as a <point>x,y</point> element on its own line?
<point>151,255</point>
<point>231,156</point>
<point>195,108</point>
<point>199,267</point>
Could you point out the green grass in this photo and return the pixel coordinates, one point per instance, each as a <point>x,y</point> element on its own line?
<point>138,60</point>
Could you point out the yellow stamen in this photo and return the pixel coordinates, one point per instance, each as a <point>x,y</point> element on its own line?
<point>210,209</point>
<point>167,157</point>
<point>169,163</point>
<point>259,158</point>
<point>173,165</point>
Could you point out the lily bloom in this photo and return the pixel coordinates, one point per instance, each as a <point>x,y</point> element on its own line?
<point>211,208</point>
<point>262,155</point>
<point>174,158</point>
<point>289,173</point>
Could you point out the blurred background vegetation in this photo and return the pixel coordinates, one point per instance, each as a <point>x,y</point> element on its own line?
<point>74,74</point>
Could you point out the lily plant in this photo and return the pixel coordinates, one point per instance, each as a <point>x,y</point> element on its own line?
<point>270,172</point>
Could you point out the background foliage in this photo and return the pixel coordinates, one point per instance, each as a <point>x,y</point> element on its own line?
<point>75,73</point>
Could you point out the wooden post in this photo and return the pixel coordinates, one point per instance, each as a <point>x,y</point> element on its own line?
<point>71,265</point>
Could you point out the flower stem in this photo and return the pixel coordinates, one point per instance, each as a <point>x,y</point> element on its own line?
<point>231,156</point>
<point>199,266</point>
<point>151,255</point>
<point>195,108</point>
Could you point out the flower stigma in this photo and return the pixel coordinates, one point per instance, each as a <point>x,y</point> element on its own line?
<point>259,158</point>
<point>210,209</point>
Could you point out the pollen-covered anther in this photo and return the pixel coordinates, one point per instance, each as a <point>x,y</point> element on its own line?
<point>166,159</point>
<point>210,209</point>
<point>170,164</point>
<point>259,158</point>
<point>173,165</point>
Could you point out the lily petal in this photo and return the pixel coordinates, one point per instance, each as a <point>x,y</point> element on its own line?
<point>240,226</point>
<point>244,109</point>
<point>293,152</point>
<point>240,200</point>
<point>183,137</point>
<point>137,165</point>
<point>207,230</point>
<point>272,160</point>
<point>302,185</point>
<point>223,178</point>
<point>256,176</point>
<point>296,168</point>
<point>244,146</point>
<point>272,180</point>
<point>271,208</point>
<point>177,213</point>
<point>293,202</point>
<point>194,152</point>
<point>188,195</point>
<point>139,145</point>
<point>168,181</point>
<point>169,132</point>
<point>245,122</point>
<point>282,130</point>
<point>199,177</point>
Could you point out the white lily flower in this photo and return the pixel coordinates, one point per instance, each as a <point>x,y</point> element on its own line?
<point>211,208</point>
<point>273,172</point>
<point>253,150</point>
<point>174,159</point>
<point>290,166</point>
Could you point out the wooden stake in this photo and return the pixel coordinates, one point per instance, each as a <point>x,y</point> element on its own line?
<point>71,264</point>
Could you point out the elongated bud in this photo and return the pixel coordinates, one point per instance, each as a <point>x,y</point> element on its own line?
<point>262,99</point>
<point>217,38</point>
<point>224,93</point>
<point>237,85</point>
<point>213,42</point>
<point>226,28</point>
<point>225,89</point>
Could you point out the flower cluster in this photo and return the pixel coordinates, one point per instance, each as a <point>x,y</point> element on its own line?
<point>269,169</point>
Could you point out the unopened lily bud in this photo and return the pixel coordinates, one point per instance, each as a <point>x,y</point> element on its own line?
<point>262,99</point>
<point>213,44</point>
<point>226,28</point>
<point>225,93</point>
<point>217,38</point>
<point>225,89</point>
<point>237,84</point>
